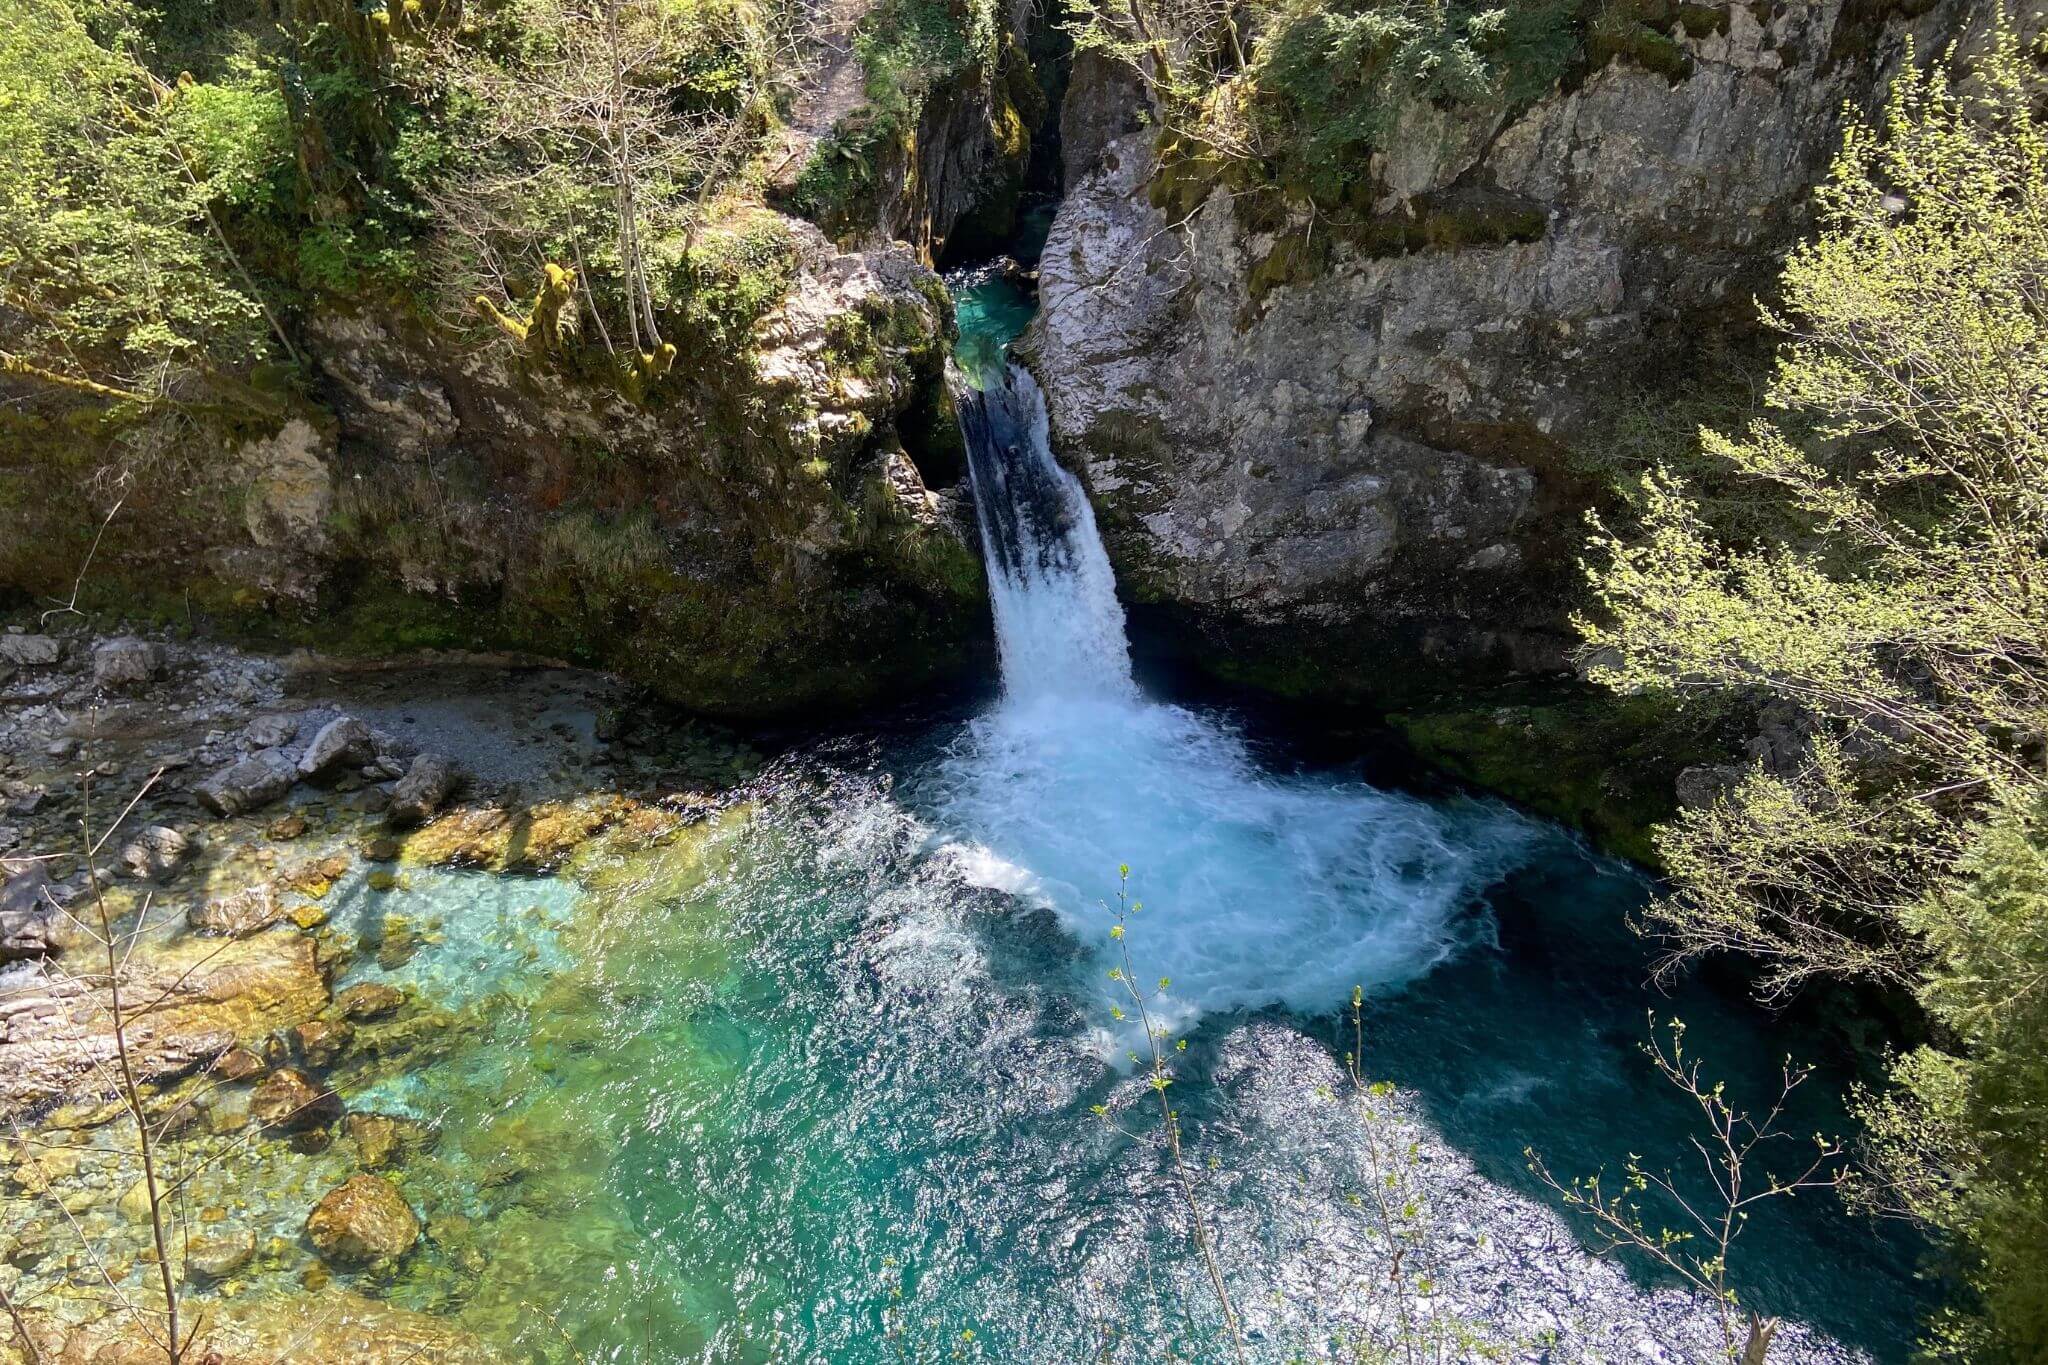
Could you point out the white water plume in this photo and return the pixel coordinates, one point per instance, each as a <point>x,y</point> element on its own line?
<point>1259,888</point>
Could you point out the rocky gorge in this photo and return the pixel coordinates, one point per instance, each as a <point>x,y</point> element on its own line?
<point>582,728</point>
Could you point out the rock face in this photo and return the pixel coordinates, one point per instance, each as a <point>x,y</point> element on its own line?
<point>729,535</point>
<point>1367,438</point>
<point>363,1220</point>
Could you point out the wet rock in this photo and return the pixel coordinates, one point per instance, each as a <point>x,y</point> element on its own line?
<point>363,1220</point>
<point>286,827</point>
<point>30,651</point>
<point>239,1064</point>
<point>430,781</point>
<point>31,924</point>
<point>254,782</point>
<point>316,878</point>
<point>127,663</point>
<point>376,1138</point>
<point>288,1100</point>
<point>157,853</point>
<point>272,732</point>
<point>249,911</point>
<point>369,1000</point>
<point>217,1255</point>
<point>322,1041</point>
<point>340,745</point>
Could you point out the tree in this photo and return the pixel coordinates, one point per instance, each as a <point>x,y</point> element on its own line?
<point>1900,608</point>
<point>116,280</point>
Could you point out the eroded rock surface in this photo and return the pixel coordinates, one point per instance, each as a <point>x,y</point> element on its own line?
<point>1359,438</point>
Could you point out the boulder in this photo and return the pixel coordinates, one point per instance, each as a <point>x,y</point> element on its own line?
<point>363,1220</point>
<point>127,663</point>
<point>238,1064</point>
<point>288,1100</point>
<point>157,853</point>
<point>31,924</point>
<point>254,782</point>
<point>272,732</point>
<point>30,651</point>
<point>341,744</point>
<point>430,781</point>
<point>248,911</point>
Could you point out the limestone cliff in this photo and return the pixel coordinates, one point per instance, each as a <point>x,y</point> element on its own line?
<point>1320,449</point>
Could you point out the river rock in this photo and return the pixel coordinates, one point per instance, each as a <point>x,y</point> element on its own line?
<point>248,911</point>
<point>322,1041</point>
<point>376,1138</point>
<point>288,1100</point>
<point>272,732</point>
<point>30,651</point>
<point>254,782</point>
<point>429,782</point>
<point>369,1000</point>
<point>363,1220</point>
<point>217,1255</point>
<point>157,853</point>
<point>31,924</point>
<point>339,745</point>
<point>125,664</point>
<point>239,1064</point>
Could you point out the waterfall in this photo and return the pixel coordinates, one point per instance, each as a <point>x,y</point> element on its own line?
<point>1266,888</point>
<point>1058,623</point>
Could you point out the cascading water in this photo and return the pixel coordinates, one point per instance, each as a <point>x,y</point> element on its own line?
<point>1264,889</point>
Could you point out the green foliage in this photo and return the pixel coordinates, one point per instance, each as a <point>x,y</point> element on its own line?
<point>1896,603</point>
<point>106,256</point>
<point>907,49</point>
<point>1964,1132</point>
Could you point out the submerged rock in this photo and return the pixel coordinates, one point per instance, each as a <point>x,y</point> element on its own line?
<point>369,1000</point>
<point>248,911</point>
<point>365,1219</point>
<point>288,1100</point>
<point>254,782</point>
<point>217,1255</point>
<point>157,853</point>
<point>376,1138</point>
<point>56,1034</point>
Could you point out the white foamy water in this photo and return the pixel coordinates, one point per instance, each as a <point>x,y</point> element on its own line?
<point>1258,888</point>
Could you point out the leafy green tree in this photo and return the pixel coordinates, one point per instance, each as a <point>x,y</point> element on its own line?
<point>1899,607</point>
<point>115,276</point>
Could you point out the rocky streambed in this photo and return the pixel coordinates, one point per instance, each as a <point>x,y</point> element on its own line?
<point>258,825</point>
